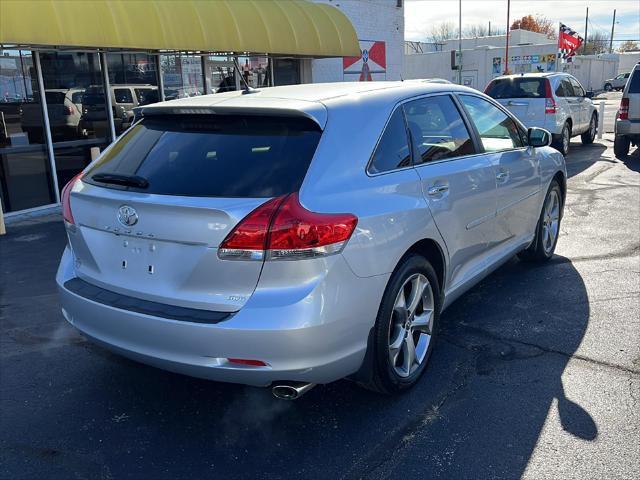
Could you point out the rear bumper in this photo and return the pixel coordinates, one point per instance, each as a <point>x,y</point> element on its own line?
<point>313,333</point>
<point>627,127</point>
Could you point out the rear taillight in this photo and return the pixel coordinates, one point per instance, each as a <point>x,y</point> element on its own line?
<point>623,111</point>
<point>550,103</point>
<point>65,199</point>
<point>282,229</point>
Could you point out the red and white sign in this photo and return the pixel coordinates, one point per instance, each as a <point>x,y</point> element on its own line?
<point>370,65</point>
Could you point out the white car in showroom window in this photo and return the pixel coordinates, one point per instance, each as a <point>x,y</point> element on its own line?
<point>556,102</point>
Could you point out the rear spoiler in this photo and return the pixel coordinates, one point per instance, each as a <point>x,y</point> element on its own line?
<point>312,110</point>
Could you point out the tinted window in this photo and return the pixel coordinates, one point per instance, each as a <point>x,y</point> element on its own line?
<point>634,82</point>
<point>54,98</point>
<point>568,88</point>
<point>214,156</point>
<point>518,87</point>
<point>560,90</point>
<point>437,129</point>
<point>496,129</point>
<point>122,95</point>
<point>577,88</point>
<point>393,148</point>
<point>146,96</point>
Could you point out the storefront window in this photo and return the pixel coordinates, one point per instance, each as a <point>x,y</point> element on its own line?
<point>182,75</point>
<point>286,71</point>
<point>133,82</point>
<point>77,108</point>
<point>255,70</point>
<point>25,173</point>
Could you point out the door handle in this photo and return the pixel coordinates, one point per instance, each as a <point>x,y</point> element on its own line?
<point>500,176</point>
<point>437,190</point>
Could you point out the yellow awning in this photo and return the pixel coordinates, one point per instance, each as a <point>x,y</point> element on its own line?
<point>286,27</point>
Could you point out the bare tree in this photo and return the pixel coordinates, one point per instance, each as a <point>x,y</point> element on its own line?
<point>443,31</point>
<point>629,46</point>
<point>598,42</point>
<point>481,30</point>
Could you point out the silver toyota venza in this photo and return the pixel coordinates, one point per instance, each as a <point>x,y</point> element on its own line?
<point>298,235</point>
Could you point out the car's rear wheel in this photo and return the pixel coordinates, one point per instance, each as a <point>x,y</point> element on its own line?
<point>405,328</point>
<point>608,87</point>
<point>589,136</point>
<point>621,146</point>
<point>548,227</point>
<point>563,140</point>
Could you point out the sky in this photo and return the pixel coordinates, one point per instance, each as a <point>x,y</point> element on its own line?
<point>421,15</point>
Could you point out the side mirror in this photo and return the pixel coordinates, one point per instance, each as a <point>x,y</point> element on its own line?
<point>589,94</point>
<point>538,137</point>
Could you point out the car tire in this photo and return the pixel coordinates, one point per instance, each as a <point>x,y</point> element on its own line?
<point>621,146</point>
<point>398,327</point>
<point>589,136</point>
<point>563,140</point>
<point>548,227</point>
<point>608,87</point>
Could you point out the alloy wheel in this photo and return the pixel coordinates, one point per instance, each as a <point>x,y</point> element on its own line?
<point>550,221</point>
<point>411,325</point>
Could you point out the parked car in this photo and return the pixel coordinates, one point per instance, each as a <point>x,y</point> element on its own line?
<point>302,234</point>
<point>65,110</point>
<point>124,98</point>
<point>616,83</point>
<point>553,101</point>
<point>627,127</point>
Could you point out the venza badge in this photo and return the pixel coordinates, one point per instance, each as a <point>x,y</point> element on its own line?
<point>127,216</point>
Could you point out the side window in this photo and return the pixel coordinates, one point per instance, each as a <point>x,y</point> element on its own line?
<point>560,90</point>
<point>437,129</point>
<point>122,95</point>
<point>496,129</point>
<point>393,148</point>
<point>568,89</point>
<point>577,88</point>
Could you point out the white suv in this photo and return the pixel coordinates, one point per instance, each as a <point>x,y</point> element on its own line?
<point>627,128</point>
<point>553,101</point>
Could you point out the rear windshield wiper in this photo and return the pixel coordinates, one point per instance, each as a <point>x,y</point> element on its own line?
<point>119,179</point>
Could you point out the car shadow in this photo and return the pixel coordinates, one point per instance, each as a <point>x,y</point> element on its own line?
<point>494,379</point>
<point>582,157</point>
<point>632,161</point>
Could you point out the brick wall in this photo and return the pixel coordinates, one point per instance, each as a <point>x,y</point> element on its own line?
<point>380,20</point>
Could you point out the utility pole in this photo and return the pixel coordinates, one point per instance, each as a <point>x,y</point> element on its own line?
<point>506,53</point>
<point>460,44</point>
<point>586,31</point>
<point>489,29</point>
<point>613,26</point>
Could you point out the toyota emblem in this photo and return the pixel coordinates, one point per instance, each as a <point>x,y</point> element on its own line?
<point>127,216</point>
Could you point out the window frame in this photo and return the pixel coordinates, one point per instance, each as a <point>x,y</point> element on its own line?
<point>465,122</point>
<point>518,124</point>
<point>465,119</point>
<point>571,81</point>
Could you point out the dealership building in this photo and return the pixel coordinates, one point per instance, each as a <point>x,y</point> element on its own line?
<point>72,72</point>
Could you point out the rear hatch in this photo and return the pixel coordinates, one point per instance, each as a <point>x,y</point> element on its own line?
<point>525,97</point>
<point>633,94</point>
<point>151,212</point>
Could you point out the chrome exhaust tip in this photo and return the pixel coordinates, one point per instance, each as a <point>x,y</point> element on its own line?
<point>291,391</point>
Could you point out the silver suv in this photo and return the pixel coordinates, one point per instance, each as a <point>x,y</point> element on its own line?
<point>298,235</point>
<point>553,101</point>
<point>616,83</point>
<point>627,128</point>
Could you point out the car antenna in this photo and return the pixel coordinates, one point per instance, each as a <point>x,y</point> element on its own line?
<point>247,88</point>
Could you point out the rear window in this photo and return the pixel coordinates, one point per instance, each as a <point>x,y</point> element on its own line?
<point>517,88</point>
<point>634,81</point>
<point>54,98</point>
<point>214,156</point>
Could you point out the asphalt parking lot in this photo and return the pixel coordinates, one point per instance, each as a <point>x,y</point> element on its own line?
<point>536,374</point>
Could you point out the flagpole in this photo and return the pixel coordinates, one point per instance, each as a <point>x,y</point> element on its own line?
<point>558,46</point>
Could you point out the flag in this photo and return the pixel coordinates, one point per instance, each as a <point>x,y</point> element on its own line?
<point>568,42</point>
